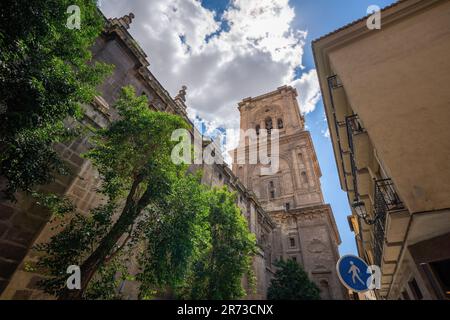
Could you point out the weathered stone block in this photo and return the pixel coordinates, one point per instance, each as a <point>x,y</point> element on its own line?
<point>66,154</point>
<point>56,188</point>
<point>22,295</point>
<point>59,147</point>
<point>12,252</point>
<point>77,160</point>
<point>19,236</point>
<point>3,284</point>
<point>6,212</point>
<point>80,193</point>
<point>3,228</point>
<point>7,268</point>
<point>30,222</point>
<point>34,282</point>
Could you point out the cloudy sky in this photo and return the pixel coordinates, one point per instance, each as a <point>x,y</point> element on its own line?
<point>226,50</point>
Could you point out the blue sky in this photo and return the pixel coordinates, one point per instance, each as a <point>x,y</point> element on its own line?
<point>226,50</point>
<point>319,17</point>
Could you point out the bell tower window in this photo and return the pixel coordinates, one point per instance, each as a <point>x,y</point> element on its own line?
<point>280,123</point>
<point>269,124</point>
<point>304,178</point>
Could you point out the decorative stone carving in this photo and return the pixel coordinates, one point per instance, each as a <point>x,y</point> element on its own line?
<point>182,94</point>
<point>316,246</point>
<point>126,20</point>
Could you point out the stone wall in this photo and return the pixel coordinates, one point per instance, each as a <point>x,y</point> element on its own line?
<point>309,236</point>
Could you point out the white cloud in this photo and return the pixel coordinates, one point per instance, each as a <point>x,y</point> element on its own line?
<point>257,53</point>
<point>308,90</point>
<point>326,133</point>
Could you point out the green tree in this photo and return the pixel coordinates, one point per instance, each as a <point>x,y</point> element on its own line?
<point>184,237</point>
<point>291,283</point>
<point>46,74</point>
<point>132,157</point>
<point>218,272</point>
<point>176,235</point>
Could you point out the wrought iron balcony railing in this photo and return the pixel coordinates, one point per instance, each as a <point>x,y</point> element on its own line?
<point>335,82</point>
<point>354,126</point>
<point>385,199</point>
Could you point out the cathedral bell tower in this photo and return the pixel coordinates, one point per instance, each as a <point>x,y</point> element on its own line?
<point>306,231</point>
<point>296,184</point>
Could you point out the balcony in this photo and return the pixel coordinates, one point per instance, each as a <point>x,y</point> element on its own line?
<point>386,200</point>
<point>353,126</point>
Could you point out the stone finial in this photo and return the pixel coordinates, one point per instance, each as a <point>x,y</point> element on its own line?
<point>182,94</point>
<point>126,20</point>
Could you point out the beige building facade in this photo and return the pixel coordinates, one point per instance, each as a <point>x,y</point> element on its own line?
<point>387,103</point>
<point>305,228</point>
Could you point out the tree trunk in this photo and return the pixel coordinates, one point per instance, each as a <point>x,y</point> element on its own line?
<point>90,266</point>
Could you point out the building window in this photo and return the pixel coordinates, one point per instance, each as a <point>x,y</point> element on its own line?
<point>272,194</point>
<point>294,259</point>
<point>258,127</point>
<point>288,206</point>
<point>280,123</point>
<point>269,125</point>
<point>441,271</point>
<point>292,242</point>
<point>304,178</point>
<point>415,289</point>
<point>271,184</point>
<point>220,176</point>
<point>300,158</point>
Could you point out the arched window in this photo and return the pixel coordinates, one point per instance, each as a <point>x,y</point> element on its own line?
<point>271,190</point>
<point>269,125</point>
<point>280,123</point>
<point>258,127</point>
<point>304,178</point>
<point>300,159</point>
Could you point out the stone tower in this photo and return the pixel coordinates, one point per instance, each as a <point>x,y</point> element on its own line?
<point>306,231</point>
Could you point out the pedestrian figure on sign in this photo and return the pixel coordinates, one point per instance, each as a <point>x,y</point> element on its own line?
<point>355,273</point>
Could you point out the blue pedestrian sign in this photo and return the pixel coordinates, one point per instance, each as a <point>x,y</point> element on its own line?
<point>354,273</point>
